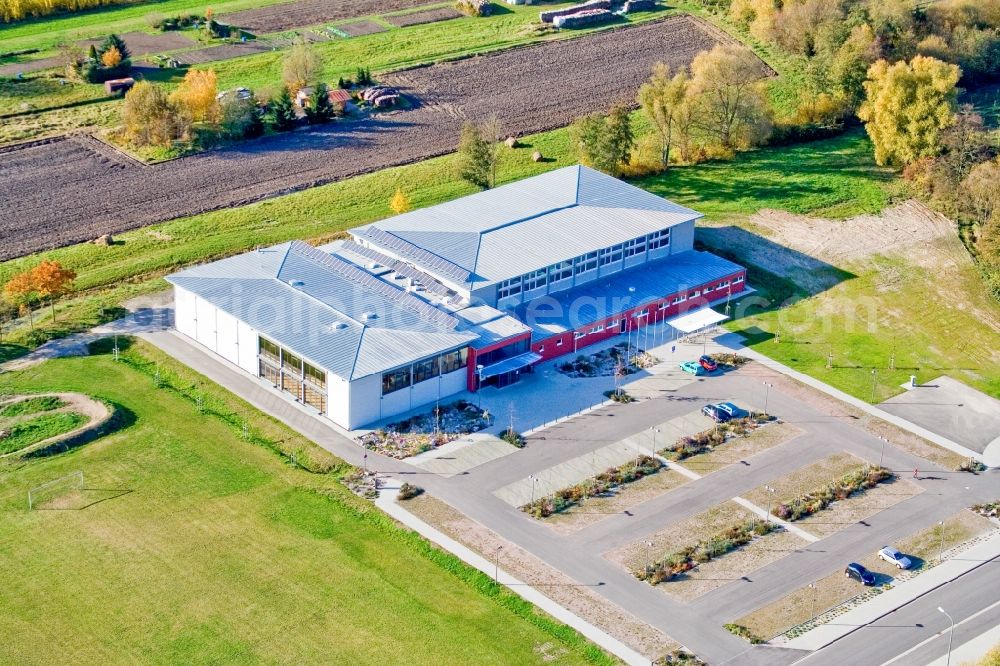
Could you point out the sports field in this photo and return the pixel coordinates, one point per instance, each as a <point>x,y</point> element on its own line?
<point>211,549</point>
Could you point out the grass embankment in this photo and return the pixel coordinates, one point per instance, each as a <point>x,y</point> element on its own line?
<point>223,551</point>
<point>25,432</point>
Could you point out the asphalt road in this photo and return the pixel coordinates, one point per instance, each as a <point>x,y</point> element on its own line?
<point>917,634</point>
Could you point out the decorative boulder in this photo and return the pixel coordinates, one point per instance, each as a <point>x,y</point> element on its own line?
<point>106,240</point>
<point>536,156</point>
<point>511,142</point>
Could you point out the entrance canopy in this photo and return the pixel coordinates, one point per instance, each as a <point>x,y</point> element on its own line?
<point>509,365</point>
<point>697,320</point>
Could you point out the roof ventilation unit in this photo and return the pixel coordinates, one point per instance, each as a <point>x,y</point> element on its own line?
<point>297,283</point>
<point>338,326</point>
<point>369,316</point>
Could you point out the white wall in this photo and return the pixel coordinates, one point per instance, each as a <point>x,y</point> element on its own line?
<point>227,337</point>
<point>184,312</point>
<point>248,348</point>
<point>206,331</point>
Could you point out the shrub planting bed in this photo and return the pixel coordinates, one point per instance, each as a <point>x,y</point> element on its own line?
<point>850,484</point>
<point>988,510</point>
<point>56,192</point>
<point>607,362</point>
<point>421,433</point>
<point>605,482</point>
<point>729,360</point>
<point>707,440</point>
<point>705,550</point>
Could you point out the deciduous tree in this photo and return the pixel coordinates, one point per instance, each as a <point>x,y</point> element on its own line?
<point>51,281</point>
<point>399,203</point>
<point>604,142</point>
<point>111,58</point>
<point>196,95</point>
<point>22,293</point>
<point>301,67</point>
<point>148,117</point>
<point>906,107</point>
<point>732,108</point>
<point>662,99</point>
<point>479,153</point>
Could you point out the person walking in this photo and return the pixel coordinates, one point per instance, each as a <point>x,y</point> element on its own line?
<point>915,473</point>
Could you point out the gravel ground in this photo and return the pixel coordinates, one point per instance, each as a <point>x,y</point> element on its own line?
<point>57,193</point>
<point>311,12</point>
<point>423,16</point>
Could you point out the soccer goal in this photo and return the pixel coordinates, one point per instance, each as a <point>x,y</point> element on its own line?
<point>48,493</point>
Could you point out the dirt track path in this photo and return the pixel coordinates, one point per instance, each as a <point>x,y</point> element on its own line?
<point>61,192</point>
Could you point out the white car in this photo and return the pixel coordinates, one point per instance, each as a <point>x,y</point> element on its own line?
<point>893,556</point>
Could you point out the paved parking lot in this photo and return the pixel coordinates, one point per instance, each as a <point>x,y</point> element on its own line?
<point>581,554</point>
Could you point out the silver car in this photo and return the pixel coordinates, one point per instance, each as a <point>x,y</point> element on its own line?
<point>893,556</point>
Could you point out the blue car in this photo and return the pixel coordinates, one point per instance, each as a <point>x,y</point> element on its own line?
<point>859,573</point>
<point>692,367</point>
<point>732,410</point>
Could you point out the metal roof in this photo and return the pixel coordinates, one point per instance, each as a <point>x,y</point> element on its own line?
<point>334,314</point>
<point>526,225</point>
<point>601,298</point>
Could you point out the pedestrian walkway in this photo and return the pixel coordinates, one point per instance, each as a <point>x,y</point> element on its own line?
<point>462,455</point>
<point>899,595</point>
<point>387,502</point>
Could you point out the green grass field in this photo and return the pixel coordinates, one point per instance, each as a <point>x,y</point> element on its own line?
<point>209,549</point>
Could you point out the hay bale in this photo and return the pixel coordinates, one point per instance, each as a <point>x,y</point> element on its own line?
<point>105,239</point>
<point>511,142</point>
<point>536,156</point>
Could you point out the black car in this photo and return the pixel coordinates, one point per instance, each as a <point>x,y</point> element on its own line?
<point>713,412</point>
<point>859,573</point>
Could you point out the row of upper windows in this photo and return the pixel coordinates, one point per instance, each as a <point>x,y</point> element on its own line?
<point>423,370</point>
<point>564,270</point>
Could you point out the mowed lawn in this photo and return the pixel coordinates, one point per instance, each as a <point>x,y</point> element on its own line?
<point>223,552</point>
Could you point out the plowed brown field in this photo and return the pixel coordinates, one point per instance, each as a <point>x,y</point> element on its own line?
<point>61,192</point>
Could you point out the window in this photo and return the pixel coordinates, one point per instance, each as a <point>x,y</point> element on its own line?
<point>269,350</point>
<point>738,279</point>
<point>426,369</point>
<point>695,294</point>
<point>561,271</point>
<point>663,306</point>
<point>659,239</point>
<point>510,287</point>
<point>395,380</point>
<point>724,283</point>
<point>586,262</point>
<point>597,329</point>
<point>291,361</point>
<point>535,279</point>
<point>541,350</point>
<point>559,342</point>
<point>610,255</point>
<point>455,360</point>
<point>641,313</point>
<point>577,336</point>
<point>679,299</point>
<point>614,322</point>
<point>315,376</point>
<point>635,247</point>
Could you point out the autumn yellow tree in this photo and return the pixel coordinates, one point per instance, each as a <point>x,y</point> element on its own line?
<point>51,281</point>
<point>907,105</point>
<point>400,203</point>
<point>149,117</point>
<point>22,292</point>
<point>196,95</point>
<point>112,57</point>
<point>301,67</point>
<point>662,99</point>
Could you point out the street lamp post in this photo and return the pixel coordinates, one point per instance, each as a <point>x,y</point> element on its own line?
<point>951,634</point>
<point>812,611</point>
<point>767,393</point>
<point>874,380</point>
<point>881,454</point>
<point>649,544</point>
<point>479,384</point>
<point>496,566</point>
<point>770,495</point>
<point>533,479</point>
<point>940,540</point>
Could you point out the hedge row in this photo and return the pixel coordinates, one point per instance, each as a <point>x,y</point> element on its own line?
<point>851,483</point>
<point>692,445</point>
<point>598,485</point>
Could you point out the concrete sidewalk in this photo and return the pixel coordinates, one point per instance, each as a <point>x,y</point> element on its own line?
<point>387,502</point>
<point>899,595</point>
